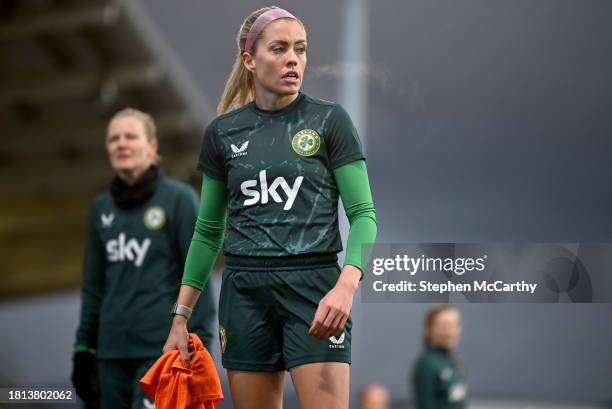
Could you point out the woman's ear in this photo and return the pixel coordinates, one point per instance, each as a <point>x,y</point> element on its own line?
<point>248,61</point>
<point>154,146</point>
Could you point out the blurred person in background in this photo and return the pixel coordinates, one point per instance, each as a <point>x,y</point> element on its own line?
<point>437,377</point>
<point>374,396</point>
<point>274,167</point>
<point>138,233</point>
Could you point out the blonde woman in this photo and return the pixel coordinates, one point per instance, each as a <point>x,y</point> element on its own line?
<point>138,233</point>
<point>275,162</point>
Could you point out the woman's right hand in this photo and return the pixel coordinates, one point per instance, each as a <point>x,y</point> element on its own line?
<point>179,338</point>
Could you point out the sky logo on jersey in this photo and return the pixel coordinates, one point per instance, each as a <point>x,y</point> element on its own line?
<point>236,151</point>
<point>121,249</point>
<point>267,192</point>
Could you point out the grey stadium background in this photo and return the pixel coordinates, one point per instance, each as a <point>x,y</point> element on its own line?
<point>484,121</point>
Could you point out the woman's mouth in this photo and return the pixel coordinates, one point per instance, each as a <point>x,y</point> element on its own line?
<point>291,77</point>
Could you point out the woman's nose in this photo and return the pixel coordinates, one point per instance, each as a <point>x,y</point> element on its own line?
<point>121,141</point>
<point>292,57</point>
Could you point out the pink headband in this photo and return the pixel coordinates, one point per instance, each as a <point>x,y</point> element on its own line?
<point>261,22</point>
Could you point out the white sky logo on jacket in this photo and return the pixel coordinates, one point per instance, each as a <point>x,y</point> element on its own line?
<point>236,151</point>
<point>267,192</point>
<point>121,250</point>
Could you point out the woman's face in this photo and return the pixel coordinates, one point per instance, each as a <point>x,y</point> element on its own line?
<point>445,330</point>
<point>129,149</point>
<point>280,57</point>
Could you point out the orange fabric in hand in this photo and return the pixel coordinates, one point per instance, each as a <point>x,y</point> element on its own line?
<point>174,386</point>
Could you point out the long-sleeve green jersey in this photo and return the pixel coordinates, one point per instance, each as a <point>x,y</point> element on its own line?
<point>132,270</point>
<point>277,177</point>
<point>278,170</point>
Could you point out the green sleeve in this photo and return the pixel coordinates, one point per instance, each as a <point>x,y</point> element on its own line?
<point>94,263</point>
<point>354,188</point>
<point>204,313</point>
<point>424,383</point>
<point>208,234</point>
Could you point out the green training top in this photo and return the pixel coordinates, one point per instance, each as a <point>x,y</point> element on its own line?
<point>132,272</point>
<point>304,157</point>
<point>438,382</point>
<point>352,181</point>
<point>278,168</point>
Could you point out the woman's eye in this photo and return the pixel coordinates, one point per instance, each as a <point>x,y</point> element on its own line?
<point>277,49</point>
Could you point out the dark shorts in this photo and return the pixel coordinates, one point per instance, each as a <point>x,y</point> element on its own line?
<point>264,317</point>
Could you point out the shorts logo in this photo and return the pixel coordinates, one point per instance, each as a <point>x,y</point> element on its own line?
<point>337,343</point>
<point>154,218</point>
<point>306,142</point>
<point>147,404</point>
<point>236,151</point>
<point>222,338</point>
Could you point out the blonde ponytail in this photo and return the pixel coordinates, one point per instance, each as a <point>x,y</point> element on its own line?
<point>239,89</point>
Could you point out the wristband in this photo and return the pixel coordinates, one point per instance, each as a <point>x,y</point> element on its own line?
<point>183,310</point>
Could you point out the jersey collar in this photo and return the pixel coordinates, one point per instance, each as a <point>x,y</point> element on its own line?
<point>278,112</point>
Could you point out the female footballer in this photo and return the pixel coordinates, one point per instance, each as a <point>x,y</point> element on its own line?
<point>274,167</point>
<point>437,377</point>
<point>138,233</point>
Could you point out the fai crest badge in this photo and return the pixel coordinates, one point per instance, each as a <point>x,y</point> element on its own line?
<point>222,338</point>
<point>306,142</point>
<point>154,218</point>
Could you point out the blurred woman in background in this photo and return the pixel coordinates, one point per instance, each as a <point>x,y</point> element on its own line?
<point>437,378</point>
<point>138,233</point>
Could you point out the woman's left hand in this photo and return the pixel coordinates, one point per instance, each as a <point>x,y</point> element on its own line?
<point>334,309</point>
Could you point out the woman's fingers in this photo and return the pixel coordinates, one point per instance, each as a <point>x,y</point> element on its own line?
<point>179,339</point>
<point>343,322</point>
<point>332,323</point>
<point>331,315</point>
<point>319,318</point>
<point>182,347</point>
<point>327,325</point>
<point>338,324</point>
